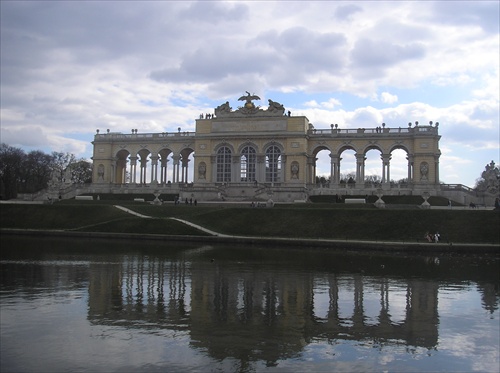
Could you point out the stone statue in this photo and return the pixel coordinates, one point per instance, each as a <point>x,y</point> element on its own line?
<point>100,173</point>
<point>424,171</point>
<point>295,170</point>
<point>248,98</point>
<point>202,170</point>
<point>223,109</point>
<point>491,177</point>
<point>276,107</point>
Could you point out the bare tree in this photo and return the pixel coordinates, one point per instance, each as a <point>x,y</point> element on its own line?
<point>35,171</point>
<point>11,160</point>
<point>81,171</point>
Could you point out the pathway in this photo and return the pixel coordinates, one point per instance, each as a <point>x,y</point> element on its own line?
<point>180,220</point>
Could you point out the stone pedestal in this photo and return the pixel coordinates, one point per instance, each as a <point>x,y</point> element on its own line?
<point>425,204</point>
<point>380,202</point>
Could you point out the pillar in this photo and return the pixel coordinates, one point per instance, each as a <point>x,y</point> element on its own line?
<point>360,169</point>
<point>386,174</point>
<point>133,168</point>
<point>154,168</point>
<point>410,168</point>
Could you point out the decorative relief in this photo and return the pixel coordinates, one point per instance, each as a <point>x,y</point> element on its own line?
<point>202,170</point>
<point>424,171</point>
<point>294,169</point>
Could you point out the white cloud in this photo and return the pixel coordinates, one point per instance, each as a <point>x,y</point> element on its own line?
<point>387,98</point>
<point>69,68</point>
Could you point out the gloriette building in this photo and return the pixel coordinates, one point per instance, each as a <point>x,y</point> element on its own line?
<point>255,153</point>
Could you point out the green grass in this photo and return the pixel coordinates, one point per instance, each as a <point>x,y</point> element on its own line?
<point>362,222</point>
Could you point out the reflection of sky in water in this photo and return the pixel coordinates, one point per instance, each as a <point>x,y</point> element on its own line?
<point>62,331</point>
<point>467,330</point>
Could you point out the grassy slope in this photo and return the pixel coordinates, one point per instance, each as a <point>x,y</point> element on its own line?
<point>294,221</point>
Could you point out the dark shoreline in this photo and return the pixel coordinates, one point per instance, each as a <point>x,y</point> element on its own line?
<point>357,245</point>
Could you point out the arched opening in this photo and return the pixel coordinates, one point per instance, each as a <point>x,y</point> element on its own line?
<point>186,159</point>
<point>273,164</point>
<point>223,165</point>
<point>144,157</point>
<point>347,167</point>
<point>121,176</point>
<point>166,166</point>
<point>373,167</point>
<point>248,164</point>
<point>321,166</point>
<point>400,168</point>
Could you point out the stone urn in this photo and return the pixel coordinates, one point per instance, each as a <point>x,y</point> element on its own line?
<point>156,201</point>
<point>380,202</point>
<point>425,204</point>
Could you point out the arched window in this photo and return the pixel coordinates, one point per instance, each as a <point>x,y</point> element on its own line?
<point>248,164</point>
<point>273,164</point>
<point>223,165</point>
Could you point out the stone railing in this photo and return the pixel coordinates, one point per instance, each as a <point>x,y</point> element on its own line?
<point>141,136</point>
<point>336,132</point>
<point>457,187</point>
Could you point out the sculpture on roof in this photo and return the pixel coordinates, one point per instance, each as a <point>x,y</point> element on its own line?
<point>275,107</point>
<point>249,108</point>
<point>248,98</point>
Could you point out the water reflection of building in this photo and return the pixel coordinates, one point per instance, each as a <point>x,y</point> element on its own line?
<point>257,313</point>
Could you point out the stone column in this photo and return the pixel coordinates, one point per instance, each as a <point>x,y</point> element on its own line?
<point>175,175</point>
<point>410,168</point>
<point>386,176</point>
<point>283,169</point>
<point>164,168</point>
<point>309,171</point>
<point>436,167</point>
<point>261,168</point>
<point>213,161</point>
<point>144,164</point>
<point>360,169</point>
<point>235,169</point>
<point>154,168</point>
<point>133,168</point>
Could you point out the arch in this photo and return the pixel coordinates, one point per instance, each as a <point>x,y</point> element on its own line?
<point>273,163</point>
<point>223,162</point>
<point>373,166</point>
<point>248,163</point>
<point>321,165</point>
<point>165,173</point>
<point>247,143</point>
<point>144,156</point>
<point>120,172</point>
<point>274,143</point>
<point>401,165</point>
<point>224,144</point>
<point>186,158</point>
<point>347,164</point>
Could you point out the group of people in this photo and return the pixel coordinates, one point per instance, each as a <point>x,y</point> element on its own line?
<point>436,237</point>
<point>207,116</point>
<point>177,201</point>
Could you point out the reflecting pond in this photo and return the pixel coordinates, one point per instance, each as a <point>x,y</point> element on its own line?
<point>119,306</point>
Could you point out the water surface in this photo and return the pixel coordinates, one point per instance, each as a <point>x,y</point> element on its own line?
<point>120,306</point>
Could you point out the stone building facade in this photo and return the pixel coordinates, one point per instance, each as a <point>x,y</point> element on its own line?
<point>254,153</point>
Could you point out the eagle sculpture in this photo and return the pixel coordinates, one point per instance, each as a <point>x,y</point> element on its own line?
<point>248,98</point>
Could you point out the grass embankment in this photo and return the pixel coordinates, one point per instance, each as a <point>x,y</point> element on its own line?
<point>360,222</point>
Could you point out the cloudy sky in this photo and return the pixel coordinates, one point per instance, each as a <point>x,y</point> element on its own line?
<point>71,67</point>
